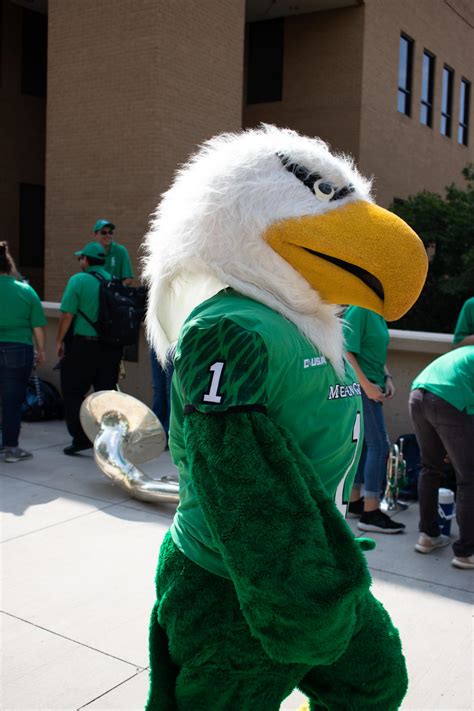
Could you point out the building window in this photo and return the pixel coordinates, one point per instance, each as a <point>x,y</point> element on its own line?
<point>31,225</point>
<point>265,61</point>
<point>464,99</point>
<point>427,89</point>
<point>447,101</point>
<point>405,75</point>
<point>34,53</point>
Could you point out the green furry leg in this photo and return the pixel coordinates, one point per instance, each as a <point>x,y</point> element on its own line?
<point>370,675</point>
<point>162,670</point>
<point>209,660</point>
<point>203,657</point>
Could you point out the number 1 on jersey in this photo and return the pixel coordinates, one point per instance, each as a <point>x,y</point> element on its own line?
<point>216,370</point>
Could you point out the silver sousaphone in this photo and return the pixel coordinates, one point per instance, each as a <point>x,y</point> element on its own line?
<point>125,433</point>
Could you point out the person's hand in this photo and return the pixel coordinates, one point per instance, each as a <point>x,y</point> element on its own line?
<point>389,388</point>
<point>40,357</point>
<point>60,349</point>
<point>373,392</point>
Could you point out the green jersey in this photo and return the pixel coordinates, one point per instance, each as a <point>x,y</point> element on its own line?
<point>21,311</point>
<point>366,336</point>
<point>117,262</point>
<point>465,322</point>
<point>451,377</point>
<point>235,353</point>
<point>82,294</point>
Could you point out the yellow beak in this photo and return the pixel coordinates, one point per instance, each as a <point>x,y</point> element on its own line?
<point>360,254</point>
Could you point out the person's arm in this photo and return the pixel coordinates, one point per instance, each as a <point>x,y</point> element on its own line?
<point>389,384</point>
<point>126,267</point>
<point>63,327</point>
<point>372,390</point>
<point>464,329</point>
<point>39,336</point>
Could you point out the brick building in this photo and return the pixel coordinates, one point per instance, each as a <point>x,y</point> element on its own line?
<point>101,99</point>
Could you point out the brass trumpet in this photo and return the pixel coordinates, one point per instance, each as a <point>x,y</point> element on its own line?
<point>396,478</point>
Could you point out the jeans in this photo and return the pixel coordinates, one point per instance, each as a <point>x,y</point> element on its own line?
<point>442,429</point>
<point>161,380</point>
<point>16,362</point>
<point>87,363</point>
<point>373,462</point>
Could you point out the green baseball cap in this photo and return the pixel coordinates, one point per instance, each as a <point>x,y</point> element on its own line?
<point>92,249</point>
<point>102,223</point>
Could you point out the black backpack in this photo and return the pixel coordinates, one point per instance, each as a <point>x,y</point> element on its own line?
<point>42,401</point>
<point>121,311</point>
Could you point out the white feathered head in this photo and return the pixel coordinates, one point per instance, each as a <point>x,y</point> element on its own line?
<point>281,219</point>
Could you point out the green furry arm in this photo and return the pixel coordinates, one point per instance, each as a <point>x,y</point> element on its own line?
<point>297,572</point>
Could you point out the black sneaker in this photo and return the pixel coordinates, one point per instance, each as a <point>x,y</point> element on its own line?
<point>73,449</point>
<point>378,522</point>
<point>355,508</point>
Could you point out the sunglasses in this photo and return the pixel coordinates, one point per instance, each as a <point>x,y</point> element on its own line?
<point>106,232</point>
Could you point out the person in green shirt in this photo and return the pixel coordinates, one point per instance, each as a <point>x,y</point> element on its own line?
<point>117,260</point>
<point>21,319</point>
<point>464,331</point>
<point>442,410</point>
<point>366,341</point>
<point>86,362</point>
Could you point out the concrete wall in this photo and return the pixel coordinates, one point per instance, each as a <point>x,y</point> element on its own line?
<point>404,155</point>
<point>133,88</point>
<point>409,353</point>
<point>22,135</point>
<point>322,74</point>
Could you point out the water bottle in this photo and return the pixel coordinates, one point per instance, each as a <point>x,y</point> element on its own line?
<point>445,510</point>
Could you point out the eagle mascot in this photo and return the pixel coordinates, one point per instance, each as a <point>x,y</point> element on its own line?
<point>261,586</point>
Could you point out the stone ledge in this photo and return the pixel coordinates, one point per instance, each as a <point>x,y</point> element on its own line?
<point>420,341</point>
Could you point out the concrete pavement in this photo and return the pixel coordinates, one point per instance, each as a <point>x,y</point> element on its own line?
<point>77,562</point>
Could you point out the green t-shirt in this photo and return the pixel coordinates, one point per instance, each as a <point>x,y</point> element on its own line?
<point>366,335</point>
<point>117,262</point>
<point>82,293</point>
<point>465,322</point>
<point>20,311</point>
<point>451,377</point>
<point>233,352</point>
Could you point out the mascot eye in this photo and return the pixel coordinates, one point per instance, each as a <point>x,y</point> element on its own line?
<point>323,190</point>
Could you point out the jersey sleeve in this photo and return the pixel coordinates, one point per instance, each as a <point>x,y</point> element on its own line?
<point>126,271</point>
<point>70,298</point>
<point>465,322</point>
<point>353,328</point>
<point>37,317</point>
<point>222,366</point>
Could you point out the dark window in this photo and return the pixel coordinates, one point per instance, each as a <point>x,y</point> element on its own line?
<point>464,99</point>
<point>34,53</point>
<point>265,61</point>
<point>447,101</point>
<point>405,75</point>
<point>427,89</point>
<point>31,225</point>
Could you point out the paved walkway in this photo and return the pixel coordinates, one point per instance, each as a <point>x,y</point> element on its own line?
<point>78,559</point>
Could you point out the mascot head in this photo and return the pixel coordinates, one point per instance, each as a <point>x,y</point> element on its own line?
<point>281,219</point>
